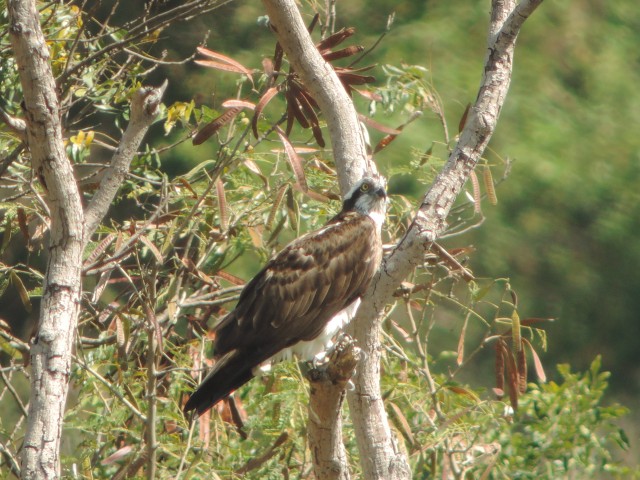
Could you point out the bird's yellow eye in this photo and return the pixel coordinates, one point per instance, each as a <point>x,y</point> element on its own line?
<point>364,187</point>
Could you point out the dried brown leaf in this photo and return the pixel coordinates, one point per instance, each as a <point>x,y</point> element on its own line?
<point>294,160</point>
<point>215,125</point>
<point>230,278</point>
<point>117,455</point>
<point>460,357</point>
<point>335,39</point>
<point>476,192</point>
<point>22,223</point>
<point>521,359</point>
<point>222,204</point>
<point>235,103</point>
<point>372,96</point>
<point>355,79</point>
<point>401,423</point>
<point>16,281</point>
<point>264,100</point>
<point>276,205</point>
<point>370,122</point>
<point>222,61</point>
<point>185,183</point>
<point>100,249</point>
<point>153,249</point>
<point>343,53</point>
<point>292,209</point>
<point>489,185</point>
<point>463,119</point>
<point>536,362</point>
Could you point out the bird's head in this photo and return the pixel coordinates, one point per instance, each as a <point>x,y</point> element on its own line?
<point>368,196</point>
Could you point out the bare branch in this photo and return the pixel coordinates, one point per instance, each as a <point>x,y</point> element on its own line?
<point>144,108</point>
<point>430,222</point>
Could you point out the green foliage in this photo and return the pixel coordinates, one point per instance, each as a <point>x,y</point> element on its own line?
<point>565,430</point>
<point>183,235</point>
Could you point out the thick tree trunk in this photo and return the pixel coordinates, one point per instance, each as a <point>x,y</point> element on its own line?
<point>51,348</point>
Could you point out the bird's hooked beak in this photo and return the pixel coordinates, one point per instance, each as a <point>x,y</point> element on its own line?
<point>381,192</point>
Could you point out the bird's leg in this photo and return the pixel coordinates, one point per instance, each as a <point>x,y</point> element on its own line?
<point>339,362</point>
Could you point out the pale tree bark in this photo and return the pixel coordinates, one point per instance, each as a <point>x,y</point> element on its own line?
<point>379,452</point>
<point>52,345</point>
<point>328,388</point>
<point>51,348</point>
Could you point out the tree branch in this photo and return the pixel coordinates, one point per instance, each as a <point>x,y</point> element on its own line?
<point>144,109</point>
<point>365,401</point>
<point>347,140</point>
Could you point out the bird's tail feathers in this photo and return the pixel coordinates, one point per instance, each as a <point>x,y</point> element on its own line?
<point>230,372</point>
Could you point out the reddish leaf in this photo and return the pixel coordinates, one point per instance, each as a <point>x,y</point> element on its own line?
<point>512,377</point>
<point>294,160</point>
<point>188,186</point>
<point>374,97</point>
<point>345,52</point>
<point>264,100</point>
<point>222,204</point>
<point>215,125</point>
<point>230,278</point>
<point>522,371</point>
<point>222,62</point>
<point>22,223</point>
<point>117,455</point>
<point>335,39</point>
<point>463,120</point>
<point>233,103</point>
<point>295,111</point>
<point>314,22</point>
<point>355,79</point>
<point>267,67</point>
<point>476,192</point>
<point>277,59</point>
<point>378,126</point>
<point>462,391</point>
<point>536,362</point>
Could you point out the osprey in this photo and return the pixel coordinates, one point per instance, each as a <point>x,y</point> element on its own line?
<point>301,298</point>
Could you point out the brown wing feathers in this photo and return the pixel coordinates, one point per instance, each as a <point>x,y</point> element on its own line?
<point>291,299</point>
